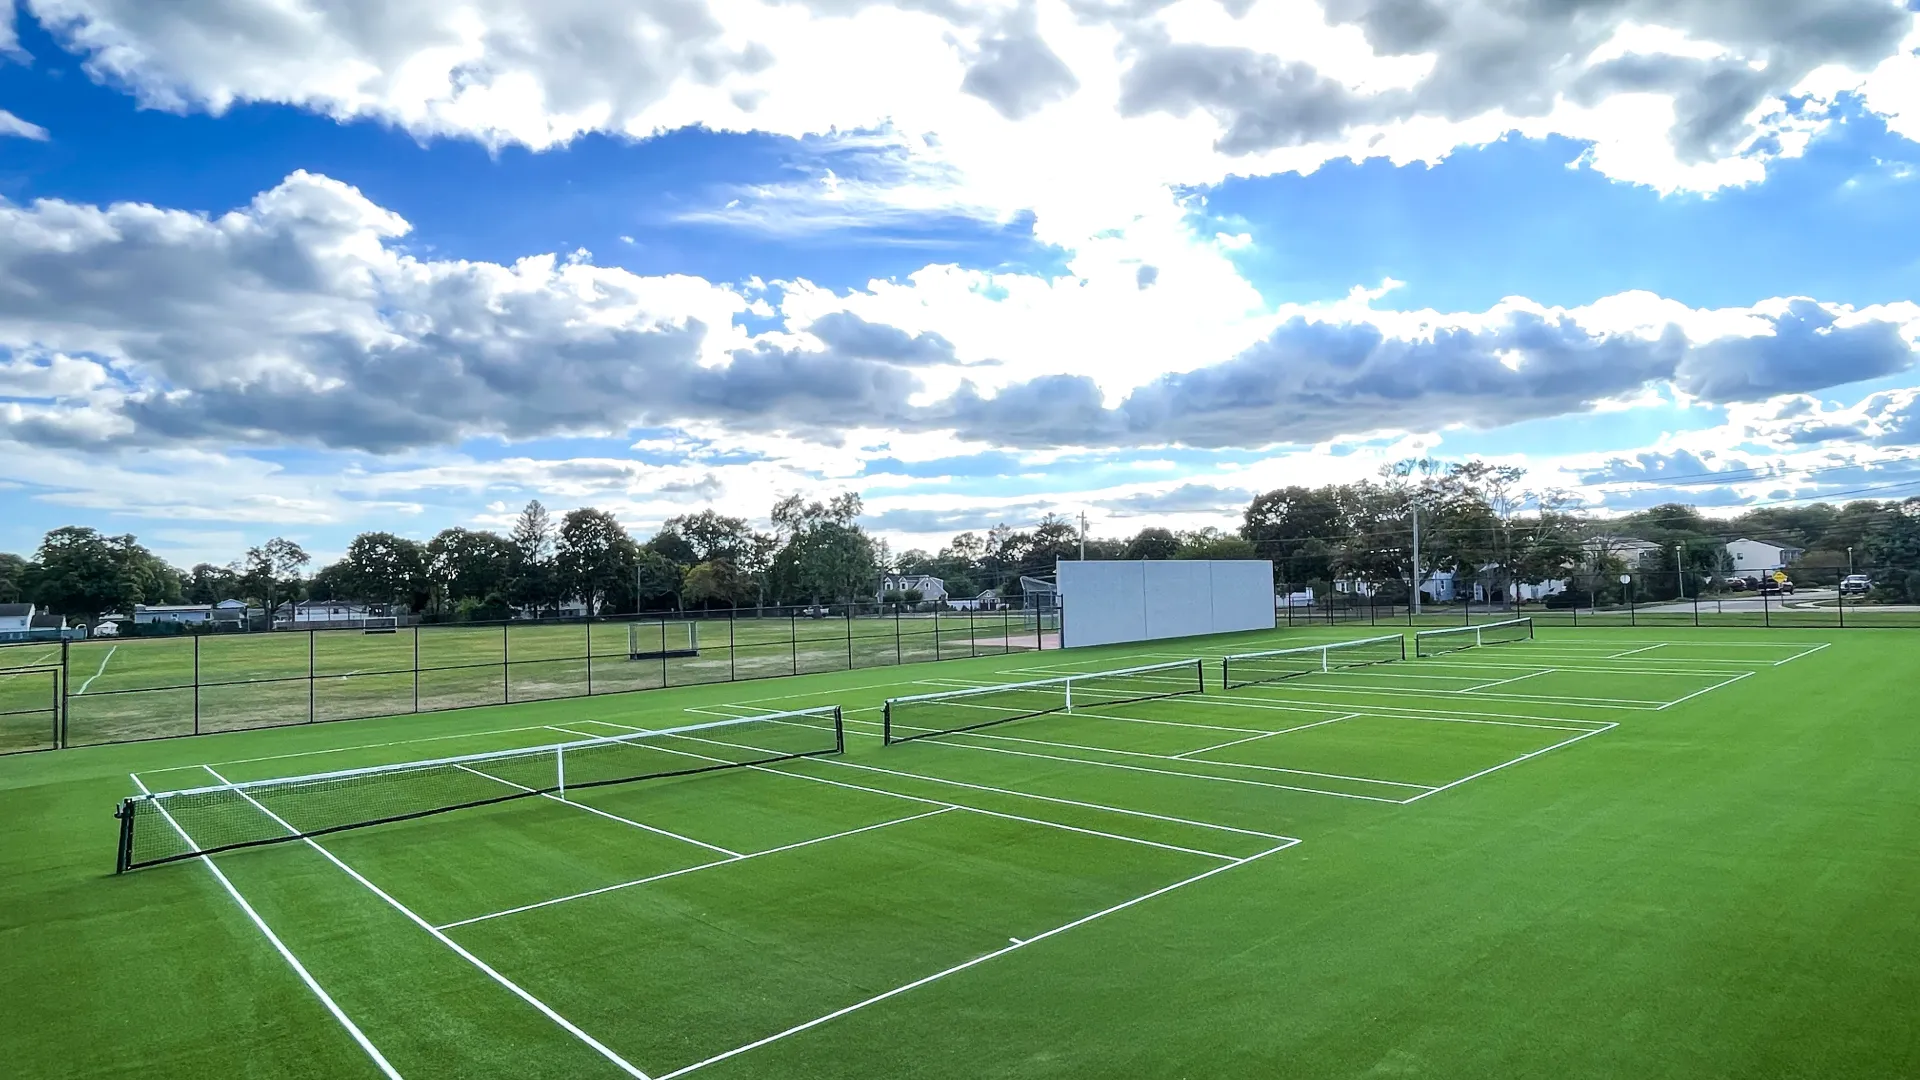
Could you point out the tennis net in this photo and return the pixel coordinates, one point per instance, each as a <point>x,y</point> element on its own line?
<point>922,715</point>
<point>1435,642</point>
<point>1247,669</point>
<point>173,825</point>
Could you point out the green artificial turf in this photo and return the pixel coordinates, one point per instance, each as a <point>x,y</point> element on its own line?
<point>1620,852</point>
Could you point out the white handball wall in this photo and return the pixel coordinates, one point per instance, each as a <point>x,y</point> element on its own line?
<point>1107,602</point>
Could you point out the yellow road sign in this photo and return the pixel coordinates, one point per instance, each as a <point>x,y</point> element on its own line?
<point>1780,576</point>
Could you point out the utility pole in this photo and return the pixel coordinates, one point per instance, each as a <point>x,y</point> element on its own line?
<point>1415,504</point>
<point>1083,536</point>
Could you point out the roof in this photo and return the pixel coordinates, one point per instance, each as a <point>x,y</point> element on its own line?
<point>49,622</point>
<point>15,611</point>
<point>172,607</point>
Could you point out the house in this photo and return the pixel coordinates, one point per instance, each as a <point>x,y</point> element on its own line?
<point>928,586</point>
<point>1631,551</point>
<point>15,621</point>
<point>1752,557</point>
<point>574,608</point>
<point>231,612</point>
<point>986,601</point>
<point>310,612</point>
<point>189,614</point>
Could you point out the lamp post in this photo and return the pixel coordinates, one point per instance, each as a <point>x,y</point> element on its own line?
<point>1680,567</point>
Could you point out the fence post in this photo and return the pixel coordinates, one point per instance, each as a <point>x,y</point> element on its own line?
<point>1633,614</point>
<point>849,636</point>
<point>733,641</point>
<point>936,634</point>
<point>793,640</point>
<point>416,663</point>
<point>1766,611</point>
<point>663,652</point>
<point>506,686</point>
<point>897,661</point>
<point>1840,605</point>
<point>61,728</point>
<point>310,677</point>
<point>196,684</point>
<point>1696,606</point>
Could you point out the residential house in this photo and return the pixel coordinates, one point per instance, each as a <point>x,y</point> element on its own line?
<point>1632,552</point>
<point>1752,557</point>
<point>15,621</point>
<point>317,614</point>
<point>929,587</point>
<point>186,614</point>
<point>986,601</point>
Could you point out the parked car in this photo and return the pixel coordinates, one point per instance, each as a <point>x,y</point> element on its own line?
<point>1738,584</point>
<point>1770,587</point>
<point>1855,585</point>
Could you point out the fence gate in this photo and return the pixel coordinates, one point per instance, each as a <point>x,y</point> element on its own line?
<point>30,674</point>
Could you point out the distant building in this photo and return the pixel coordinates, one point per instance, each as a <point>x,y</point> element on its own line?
<point>986,601</point>
<point>928,586</point>
<point>1631,551</point>
<point>1758,557</point>
<point>186,614</point>
<point>15,621</point>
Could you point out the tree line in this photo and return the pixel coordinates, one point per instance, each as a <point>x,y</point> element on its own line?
<point>1478,520</point>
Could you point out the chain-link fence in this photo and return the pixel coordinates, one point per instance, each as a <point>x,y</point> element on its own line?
<point>105,690</point>
<point>1836,598</point>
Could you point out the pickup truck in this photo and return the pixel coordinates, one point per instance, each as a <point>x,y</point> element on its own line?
<point>1856,585</point>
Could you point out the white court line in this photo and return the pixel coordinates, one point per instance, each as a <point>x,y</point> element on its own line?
<point>1503,682</point>
<point>955,806</point>
<point>1172,757</point>
<point>1265,735</point>
<point>1797,656</point>
<point>1715,686</point>
<point>1396,712</point>
<point>981,959</point>
<point>97,674</point>
<point>279,946</point>
<point>688,870</point>
<point>1515,761</point>
<point>641,825</point>
<point>1164,772</point>
<point>981,787</point>
<point>1633,652</point>
<point>1628,704</point>
<point>545,1010</point>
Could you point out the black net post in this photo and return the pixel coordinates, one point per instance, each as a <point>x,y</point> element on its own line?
<point>123,858</point>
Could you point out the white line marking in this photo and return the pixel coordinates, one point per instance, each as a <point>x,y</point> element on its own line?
<point>1503,682</point>
<point>1515,761</point>
<point>689,869</point>
<point>981,959</point>
<point>1797,656</point>
<point>596,810</point>
<point>983,787</point>
<point>97,674</point>
<point>1266,735</point>
<point>279,946</point>
<point>1633,652</point>
<point>1709,689</point>
<point>514,988</point>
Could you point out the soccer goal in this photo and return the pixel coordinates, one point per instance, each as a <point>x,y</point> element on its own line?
<point>380,624</point>
<point>662,641</point>
<point>1453,639</point>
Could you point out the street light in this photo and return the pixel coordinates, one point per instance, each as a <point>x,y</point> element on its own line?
<point>1680,568</point>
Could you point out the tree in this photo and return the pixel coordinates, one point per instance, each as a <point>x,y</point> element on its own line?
<point>470,565</point>
<point>530,576</point>
<point>591,555</point>
<point>210,584</point>
<point>387,569</point>
<point>1152,543</point>
<point>710,536</point>
<point>1211,543</point>
<point>272,570</point>
<point>1893,553</point>
<point>824,555</point>
<point>81,574</point>
<point>656,580</point>
<point>13,578</point>
<point>716,582</point>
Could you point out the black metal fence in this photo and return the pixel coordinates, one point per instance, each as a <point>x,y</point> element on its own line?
<point>79,693</point>
<point>1822,598</point>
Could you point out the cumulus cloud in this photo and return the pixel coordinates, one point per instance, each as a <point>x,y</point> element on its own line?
<point>1184,499</point>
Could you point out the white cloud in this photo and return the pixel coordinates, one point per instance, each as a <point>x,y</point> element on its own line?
<point>12,126</point>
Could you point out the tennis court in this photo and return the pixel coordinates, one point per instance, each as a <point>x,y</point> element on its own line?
<point>860,876</point>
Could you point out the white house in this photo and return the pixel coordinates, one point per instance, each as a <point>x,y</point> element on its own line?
<point>146,614</point>
<point>928,586</point>
<point>326,611</point>
<point>1631,551</point>
<point>1758,557</point>
<point>15,620</point>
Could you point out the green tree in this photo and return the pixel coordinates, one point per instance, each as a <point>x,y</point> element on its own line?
<point>824,554</point>
<point>210,584</point>
<point>716,582</point>
<point>1152,543</point>
<point>1893,553</point>
<point>13,578</point>
<point>655,581</point>
<point>271,571</point>
<point>81,574</point>
<point>470,565</point>
<point>387,569</point>
<point>530,582</point>
<point>1211,543</point>
<point>710,536</point>
<point>592,553</point>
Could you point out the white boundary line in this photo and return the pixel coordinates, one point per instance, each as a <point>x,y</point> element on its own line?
<point>687,870</point>
<point>97,674</point>
<point>1265,735</point>
<point>1708,690</point>
<point>1632,652</point>
<point>279,946</point>
<point>1515,761</point>
<point>643,826</point>
<point>1503,682</point>
<point>601,1048</point>
<point>1809,652</point>
<point>955,969</point>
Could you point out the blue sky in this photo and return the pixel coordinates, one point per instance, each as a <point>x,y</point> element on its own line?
<point>980,265</point>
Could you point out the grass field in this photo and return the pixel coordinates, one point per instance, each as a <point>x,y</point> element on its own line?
<point>1601,853</point>
<point>156,687</point>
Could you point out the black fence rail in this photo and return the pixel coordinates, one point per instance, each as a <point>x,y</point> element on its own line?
<point>1829,598</point>
<point>108,690</point>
